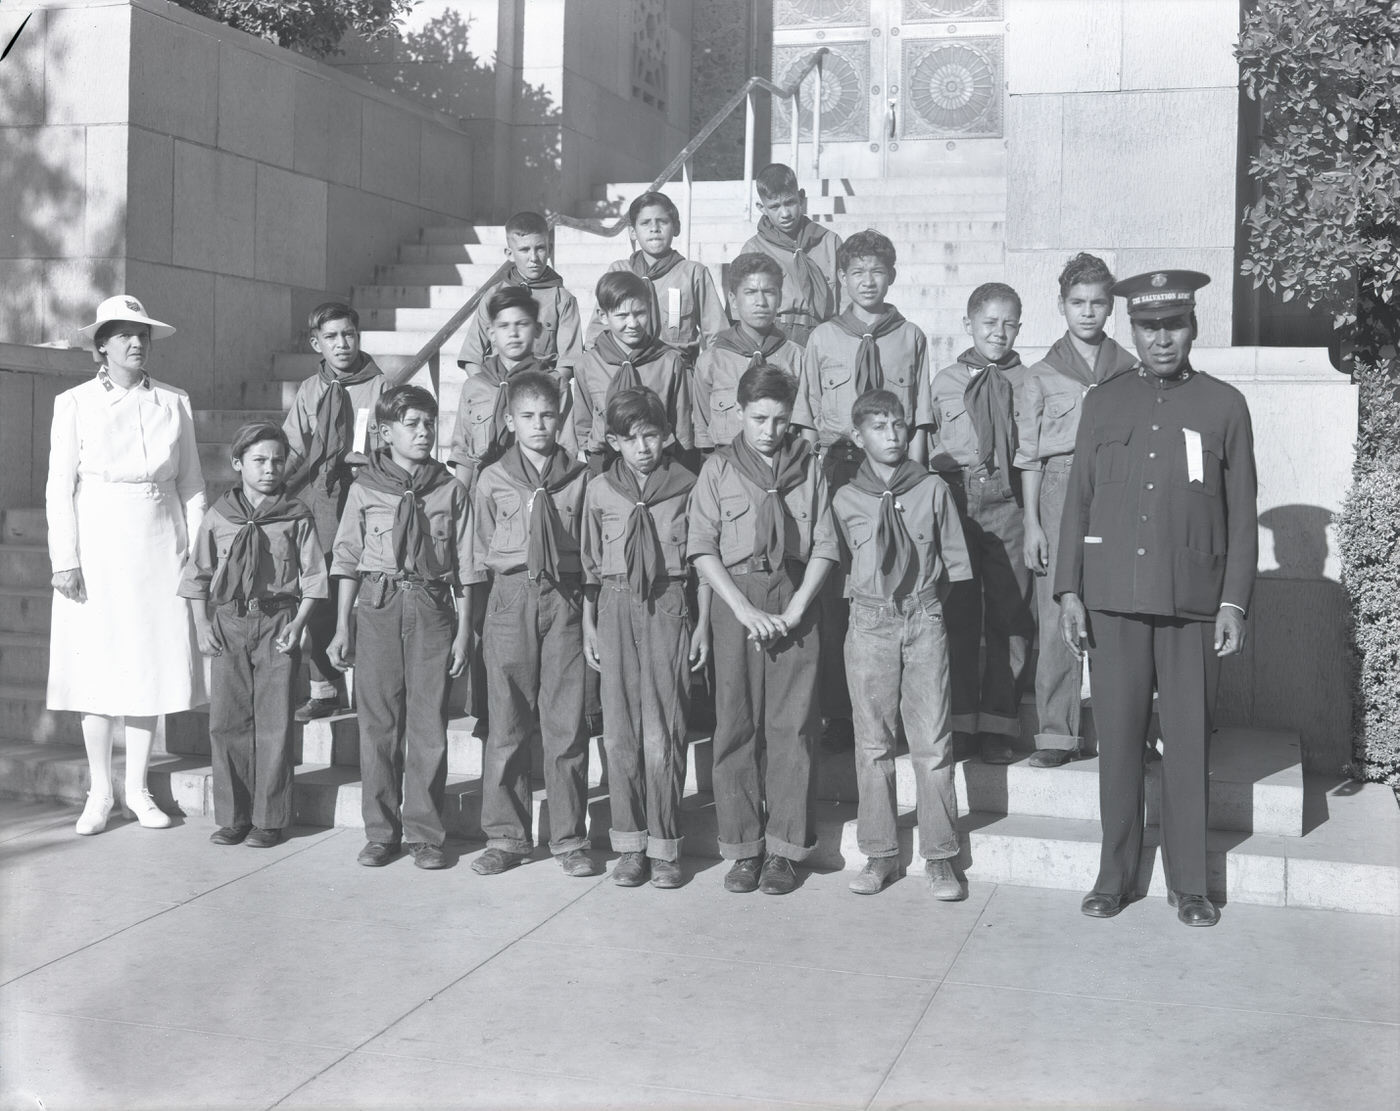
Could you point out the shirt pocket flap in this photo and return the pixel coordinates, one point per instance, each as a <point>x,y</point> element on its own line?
<point>1061,405</point>
<point>724,402</point>
<point>1117,434</point>
<point>613,528</point>
<point>441,525</point>
<point>481,412</point>
<point>952,410</point>
<point>733,506</point>
<point>834,376</point>
<point>860,534</point>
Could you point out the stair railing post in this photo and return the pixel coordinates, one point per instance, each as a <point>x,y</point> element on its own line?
<point>748,156</point>
<point>689,201</point>
<point>796,127</point>
<point>817,123</point>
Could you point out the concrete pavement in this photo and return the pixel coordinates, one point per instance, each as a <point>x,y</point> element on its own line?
<point>150,969</point>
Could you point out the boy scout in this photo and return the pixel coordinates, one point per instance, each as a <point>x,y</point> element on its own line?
<point>401,552</point>
<point>761,535</point>
<point>755,289</point>
<point>870,346</point>
<point>905,546</point>
<point>640,633</point>
<point>974,452</point>
<point>686,310</point>
<point>257,564</point>
<point>1159,541</point>
<point>628,355</point>
<point>805,251</point>
<point>1048,401</point>
<point>329,412</point>
<point>527,509</point>
<point>557,344</point>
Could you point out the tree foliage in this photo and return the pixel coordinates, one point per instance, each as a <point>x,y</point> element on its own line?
<point>310,26</point>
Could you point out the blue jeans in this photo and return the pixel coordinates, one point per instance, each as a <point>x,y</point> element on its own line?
<point>897,661</point>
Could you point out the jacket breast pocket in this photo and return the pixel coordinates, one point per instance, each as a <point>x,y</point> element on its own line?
<point>736,525</point>
<point>1111,459</point>
<point>1212,466</point>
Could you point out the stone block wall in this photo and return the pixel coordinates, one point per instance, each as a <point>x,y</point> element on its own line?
<point>228,183</point>
<point>1121,129</point>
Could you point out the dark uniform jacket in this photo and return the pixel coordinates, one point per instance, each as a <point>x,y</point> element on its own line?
<point>1152,526</point>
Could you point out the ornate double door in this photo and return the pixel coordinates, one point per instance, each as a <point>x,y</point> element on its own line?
<point>907,83</point>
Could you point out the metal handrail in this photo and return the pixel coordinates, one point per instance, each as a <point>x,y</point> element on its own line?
<point>681,162</point>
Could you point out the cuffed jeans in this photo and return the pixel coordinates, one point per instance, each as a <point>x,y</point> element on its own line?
<point>897,661</point>
<point>765,714</point>
<point>250,717</point>
<point>644,645</point>
<point>1059,673</point>
<point>403,649</point>
<point>533,638</point>
<point>326,509</point>
<point>993,607</point>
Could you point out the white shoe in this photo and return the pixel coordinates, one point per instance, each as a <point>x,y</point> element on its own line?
<point>95,813</point>
<point>146,811</point>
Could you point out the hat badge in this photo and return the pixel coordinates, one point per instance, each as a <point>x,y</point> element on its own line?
<point>133,304</point>
<point>1158,280</point>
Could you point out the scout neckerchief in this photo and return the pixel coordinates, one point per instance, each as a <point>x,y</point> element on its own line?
<point>495,372</point>
<point>1109,359</point>
<point>892,541</point>
<point>334,429</point>
<point>626,360</point>
<point>548,540</point>
<point>548,280</point>
<point>641,264</point>
<point>788,471</point>
<point>743,340</point>
<point>412,532</point>
<point>814,294</point>
<point>989,401</point>
<point>640,547</point>
<point>869,374</point>
<point>237,572</point>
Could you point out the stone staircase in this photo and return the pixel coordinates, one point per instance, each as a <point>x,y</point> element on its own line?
<point>1028,826</point>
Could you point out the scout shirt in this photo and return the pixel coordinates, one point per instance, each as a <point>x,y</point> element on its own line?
<point>827,388</point>
<point>291,563</point>
<point>665,376</point>
<point>692,310</point>
<point>365,541</point>
<point>300,424</point>
<point>724,512</point>
<point>798,312</point>
<point>559,344</point>
<point>956,444</point>
<point>605,516</point>
<point>717,374</point>
<point>931,517</point>
<point>1048,399</point>
<point>499,540</point>
<point>1160,516</point>
<point>476,439</point>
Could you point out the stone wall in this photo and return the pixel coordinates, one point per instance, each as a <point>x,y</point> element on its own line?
<point>1121,132</point>
<point>228,183</point>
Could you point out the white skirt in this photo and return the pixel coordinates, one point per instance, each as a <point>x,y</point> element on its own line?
<point>129,650</point>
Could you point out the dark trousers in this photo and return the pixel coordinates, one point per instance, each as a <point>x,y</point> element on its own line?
<point>644,644</point>
<point>534,640</point>
<point>840,462</point>
<point>993,608</point>
<point>402,652</point>
<point>766,723</point>
<point>250,718</point>
<point>326,509</point>
<point>1059,673</point>
<point>1128,652</point>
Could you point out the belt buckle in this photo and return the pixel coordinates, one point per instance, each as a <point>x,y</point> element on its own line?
<point>254,606</point>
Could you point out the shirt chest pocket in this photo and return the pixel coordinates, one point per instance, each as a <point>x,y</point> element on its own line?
<point>835,405</point>
<point>379,539</point>
<point>797,522</point>
<point>736,525</point>
<point>1212,464</point>
<point>510,521</point>
<point>440,524</point>
<point>954,427</point>
<point>678,310</point>
<point>1111,459</point>
<point>724,416</point>
<point>1061,416</point>
<point>479,430</point>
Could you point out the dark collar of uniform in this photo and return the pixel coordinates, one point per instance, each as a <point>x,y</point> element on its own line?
<point>104,376</point>
<point>1180,378</point>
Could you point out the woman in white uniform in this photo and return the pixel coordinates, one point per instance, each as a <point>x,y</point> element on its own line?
<point>125,496</point>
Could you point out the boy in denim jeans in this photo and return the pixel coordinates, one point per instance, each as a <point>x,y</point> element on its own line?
<point>904,546</point>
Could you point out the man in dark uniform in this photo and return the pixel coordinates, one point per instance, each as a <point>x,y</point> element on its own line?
<point>1159,540</point>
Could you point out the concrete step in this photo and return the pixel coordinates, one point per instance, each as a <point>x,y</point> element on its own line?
<point>217,466</point>
<point>219,426</point>
<point>292,367</point>
<point>23,714</point>
<point>26,609</point>
<point>901,228</point>
<point>704,210</point>
<point>24,526</point>
<point>970,238</point>
<point>24,565</point>
<point>952,177</point>
<point>1348,862</point>
<point>24,657</point>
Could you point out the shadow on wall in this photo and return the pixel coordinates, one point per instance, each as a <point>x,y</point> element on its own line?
<point>437,67</point>
<point>59,243</point>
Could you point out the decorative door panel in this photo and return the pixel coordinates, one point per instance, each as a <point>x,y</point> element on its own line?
<point>904,82</point>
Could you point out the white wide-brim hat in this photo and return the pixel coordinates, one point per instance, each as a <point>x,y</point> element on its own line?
<point>125,307</point>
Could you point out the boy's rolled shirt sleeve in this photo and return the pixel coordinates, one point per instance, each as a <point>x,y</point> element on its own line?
<point>477,340</point>
<point>349,543</point>
<point>952,541</point>
<point>568,334</point>
<point>1028,404</point>
<point>826,544</point>
<point>583,412</point>
<point>809,395</point>
<point>591,538</point>
<point>682,408</point>
<point>312,579</point>
<point>703,375</point>
<point>477,543</point>
<point>462,534</point>
<point>199,568</point>
<point>1074,521</point>
<point>923,383</point>
<point>709,307</point>
<point>702,514</point>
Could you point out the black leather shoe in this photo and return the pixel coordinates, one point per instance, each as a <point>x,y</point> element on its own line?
<point>1051,757</point>
<point>839,735</point>
<point>314,708</point>
<point>995,750</point>
<point>495,861</point>
<point>743,875</point>
<point>576,862</point>
<point>1193,910</point>
<point>631,870</point>
<point>1097,904</point>
<point>779,875</point>
<point>376,854</point>
<point>666,874</point>
<point>229,835</point>
<point>263,838</point>
<point>429,857</point>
